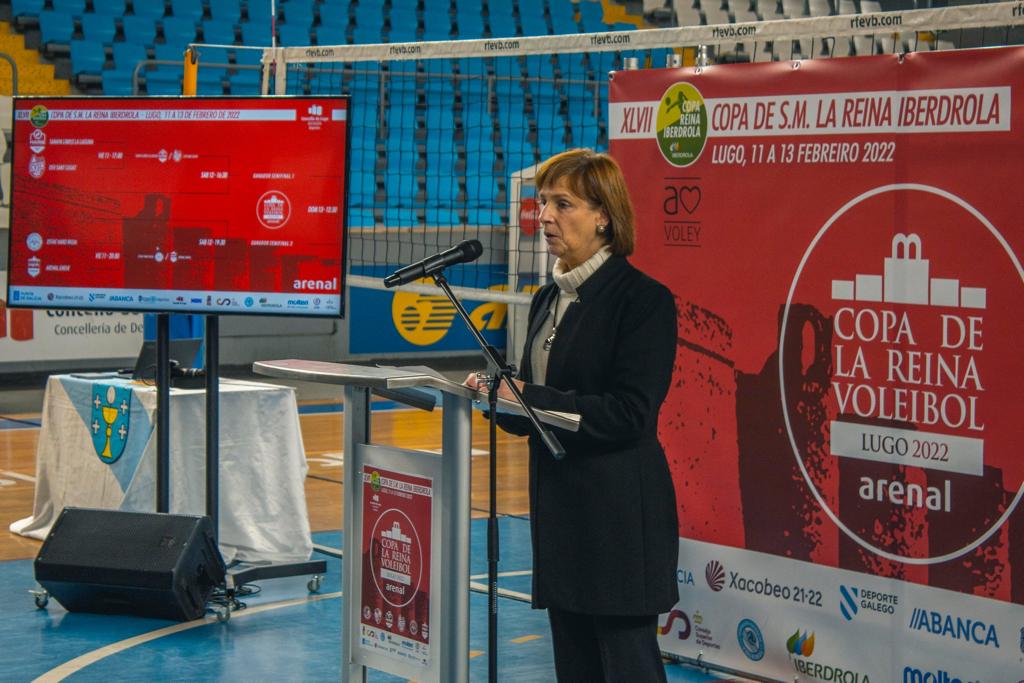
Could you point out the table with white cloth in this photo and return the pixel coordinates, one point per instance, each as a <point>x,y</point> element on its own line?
<point>97,448</point>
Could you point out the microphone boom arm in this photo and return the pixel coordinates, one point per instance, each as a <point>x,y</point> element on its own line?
<point>502,372</point>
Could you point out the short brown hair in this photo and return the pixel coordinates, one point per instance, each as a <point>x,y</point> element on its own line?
<point>596,178</point>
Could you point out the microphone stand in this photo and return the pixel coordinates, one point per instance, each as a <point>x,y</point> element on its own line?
<point>503,372</point>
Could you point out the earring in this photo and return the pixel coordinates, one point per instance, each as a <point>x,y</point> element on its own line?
<point>600,230</point>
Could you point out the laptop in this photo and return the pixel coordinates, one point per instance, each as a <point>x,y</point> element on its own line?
<point>185,351</point>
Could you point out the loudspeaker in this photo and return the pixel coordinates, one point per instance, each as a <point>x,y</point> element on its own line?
<point>141,563</point>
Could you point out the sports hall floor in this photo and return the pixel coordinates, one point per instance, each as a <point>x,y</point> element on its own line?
<point>285,633</point>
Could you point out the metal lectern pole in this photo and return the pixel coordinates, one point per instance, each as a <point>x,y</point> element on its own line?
<point>213,421</point>
<point>163,412</point>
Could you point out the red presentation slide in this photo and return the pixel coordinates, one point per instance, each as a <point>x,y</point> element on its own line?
<point>211,205</point>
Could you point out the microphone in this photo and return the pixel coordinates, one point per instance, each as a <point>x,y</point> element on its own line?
<point>463,252</point>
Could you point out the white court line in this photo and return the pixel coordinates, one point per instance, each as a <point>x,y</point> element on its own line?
<point>17,475</point>
<point>78,663</point>
<point>502,592</point>
<point>519,572</point>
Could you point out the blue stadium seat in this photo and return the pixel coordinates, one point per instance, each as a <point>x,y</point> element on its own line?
<point>208,83</point>
<point>153,9</point>
<point>140,30</point>
<point>171,53</point>
<point>163,83</point>
<point>226,10</point>
<point>400,217</point>
<point>111,8</point>
<point>363,34</point>
<point>178,30</point>
<point>291,35</point>
<point>75,8</point>
<point>501,20</point>
<point>99,27</point>
<point>128,55</point>
<point>591,14</point>
<point>218,32</point>
<point>442,190</point>
<point>256,33</point>
<point>30,8</point>
<point>87,57</point>
<point>442,216</point>
<point>403,33</point>
<point>562,19</point>
<point>55,27</point>
<point>369,14</point>
<point>470,25</point>
<point>258,10</point>
<point>360,217</point>
<point>244,82</point>
<point>403,8</point>
<point>297,12</point>
<point>213,55</point>
<point>330,35</point>
<point>437,25</point>
<point>117,82</point>
<point>250,57</point>
<point>334,14</point>
<point>482,215</point>
<point>188,9</point>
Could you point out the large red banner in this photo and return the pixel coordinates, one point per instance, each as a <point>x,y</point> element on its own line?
<point>842,237</point>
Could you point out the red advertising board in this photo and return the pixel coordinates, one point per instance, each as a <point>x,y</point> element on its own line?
<point>843,242</point>
<point>395,598</point>
<point>227,205</point>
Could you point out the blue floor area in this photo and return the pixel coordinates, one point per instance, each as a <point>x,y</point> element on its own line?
<point>285,633</point>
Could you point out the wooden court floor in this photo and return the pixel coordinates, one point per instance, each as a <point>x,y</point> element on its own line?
<point>322,437</point>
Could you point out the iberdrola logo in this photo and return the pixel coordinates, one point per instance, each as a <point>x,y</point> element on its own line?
<point>682,124</point>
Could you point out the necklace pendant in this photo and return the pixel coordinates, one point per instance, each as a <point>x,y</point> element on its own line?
<point>550,340</point>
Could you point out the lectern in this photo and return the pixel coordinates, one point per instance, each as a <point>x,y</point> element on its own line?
<point>405,571</point>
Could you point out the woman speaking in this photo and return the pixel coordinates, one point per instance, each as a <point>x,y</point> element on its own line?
<point>601,342</point>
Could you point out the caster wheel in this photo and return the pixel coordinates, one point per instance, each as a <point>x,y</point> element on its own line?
<point>314,583</point>
<point>42,599</point>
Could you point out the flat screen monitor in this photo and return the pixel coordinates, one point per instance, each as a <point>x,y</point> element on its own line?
<point>190,205</point>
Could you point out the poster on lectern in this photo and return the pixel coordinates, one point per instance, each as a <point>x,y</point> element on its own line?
<point>843,239</point>
<point>395,599</point>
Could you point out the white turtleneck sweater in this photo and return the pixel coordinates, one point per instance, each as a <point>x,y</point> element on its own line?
<point>568,282</point>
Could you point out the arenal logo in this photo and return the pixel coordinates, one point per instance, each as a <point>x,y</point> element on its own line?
<point>684,624</point>
<point>714,573</point>
<point>316,285</point>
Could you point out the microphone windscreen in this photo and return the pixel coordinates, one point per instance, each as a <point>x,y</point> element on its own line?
<point>471,249</point>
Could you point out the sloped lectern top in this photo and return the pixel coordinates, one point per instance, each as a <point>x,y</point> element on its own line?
<point>376,377</point>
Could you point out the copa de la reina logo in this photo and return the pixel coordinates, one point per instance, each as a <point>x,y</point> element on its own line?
<point>913,378</point>
<point>682,124</point>
<point>917,288</point>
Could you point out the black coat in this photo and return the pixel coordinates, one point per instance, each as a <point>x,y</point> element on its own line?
<point>603,520</point>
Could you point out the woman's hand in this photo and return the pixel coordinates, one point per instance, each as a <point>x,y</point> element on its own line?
<point>478,381</point>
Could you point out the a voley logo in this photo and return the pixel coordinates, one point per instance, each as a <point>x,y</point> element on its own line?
<point>315,110</point>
